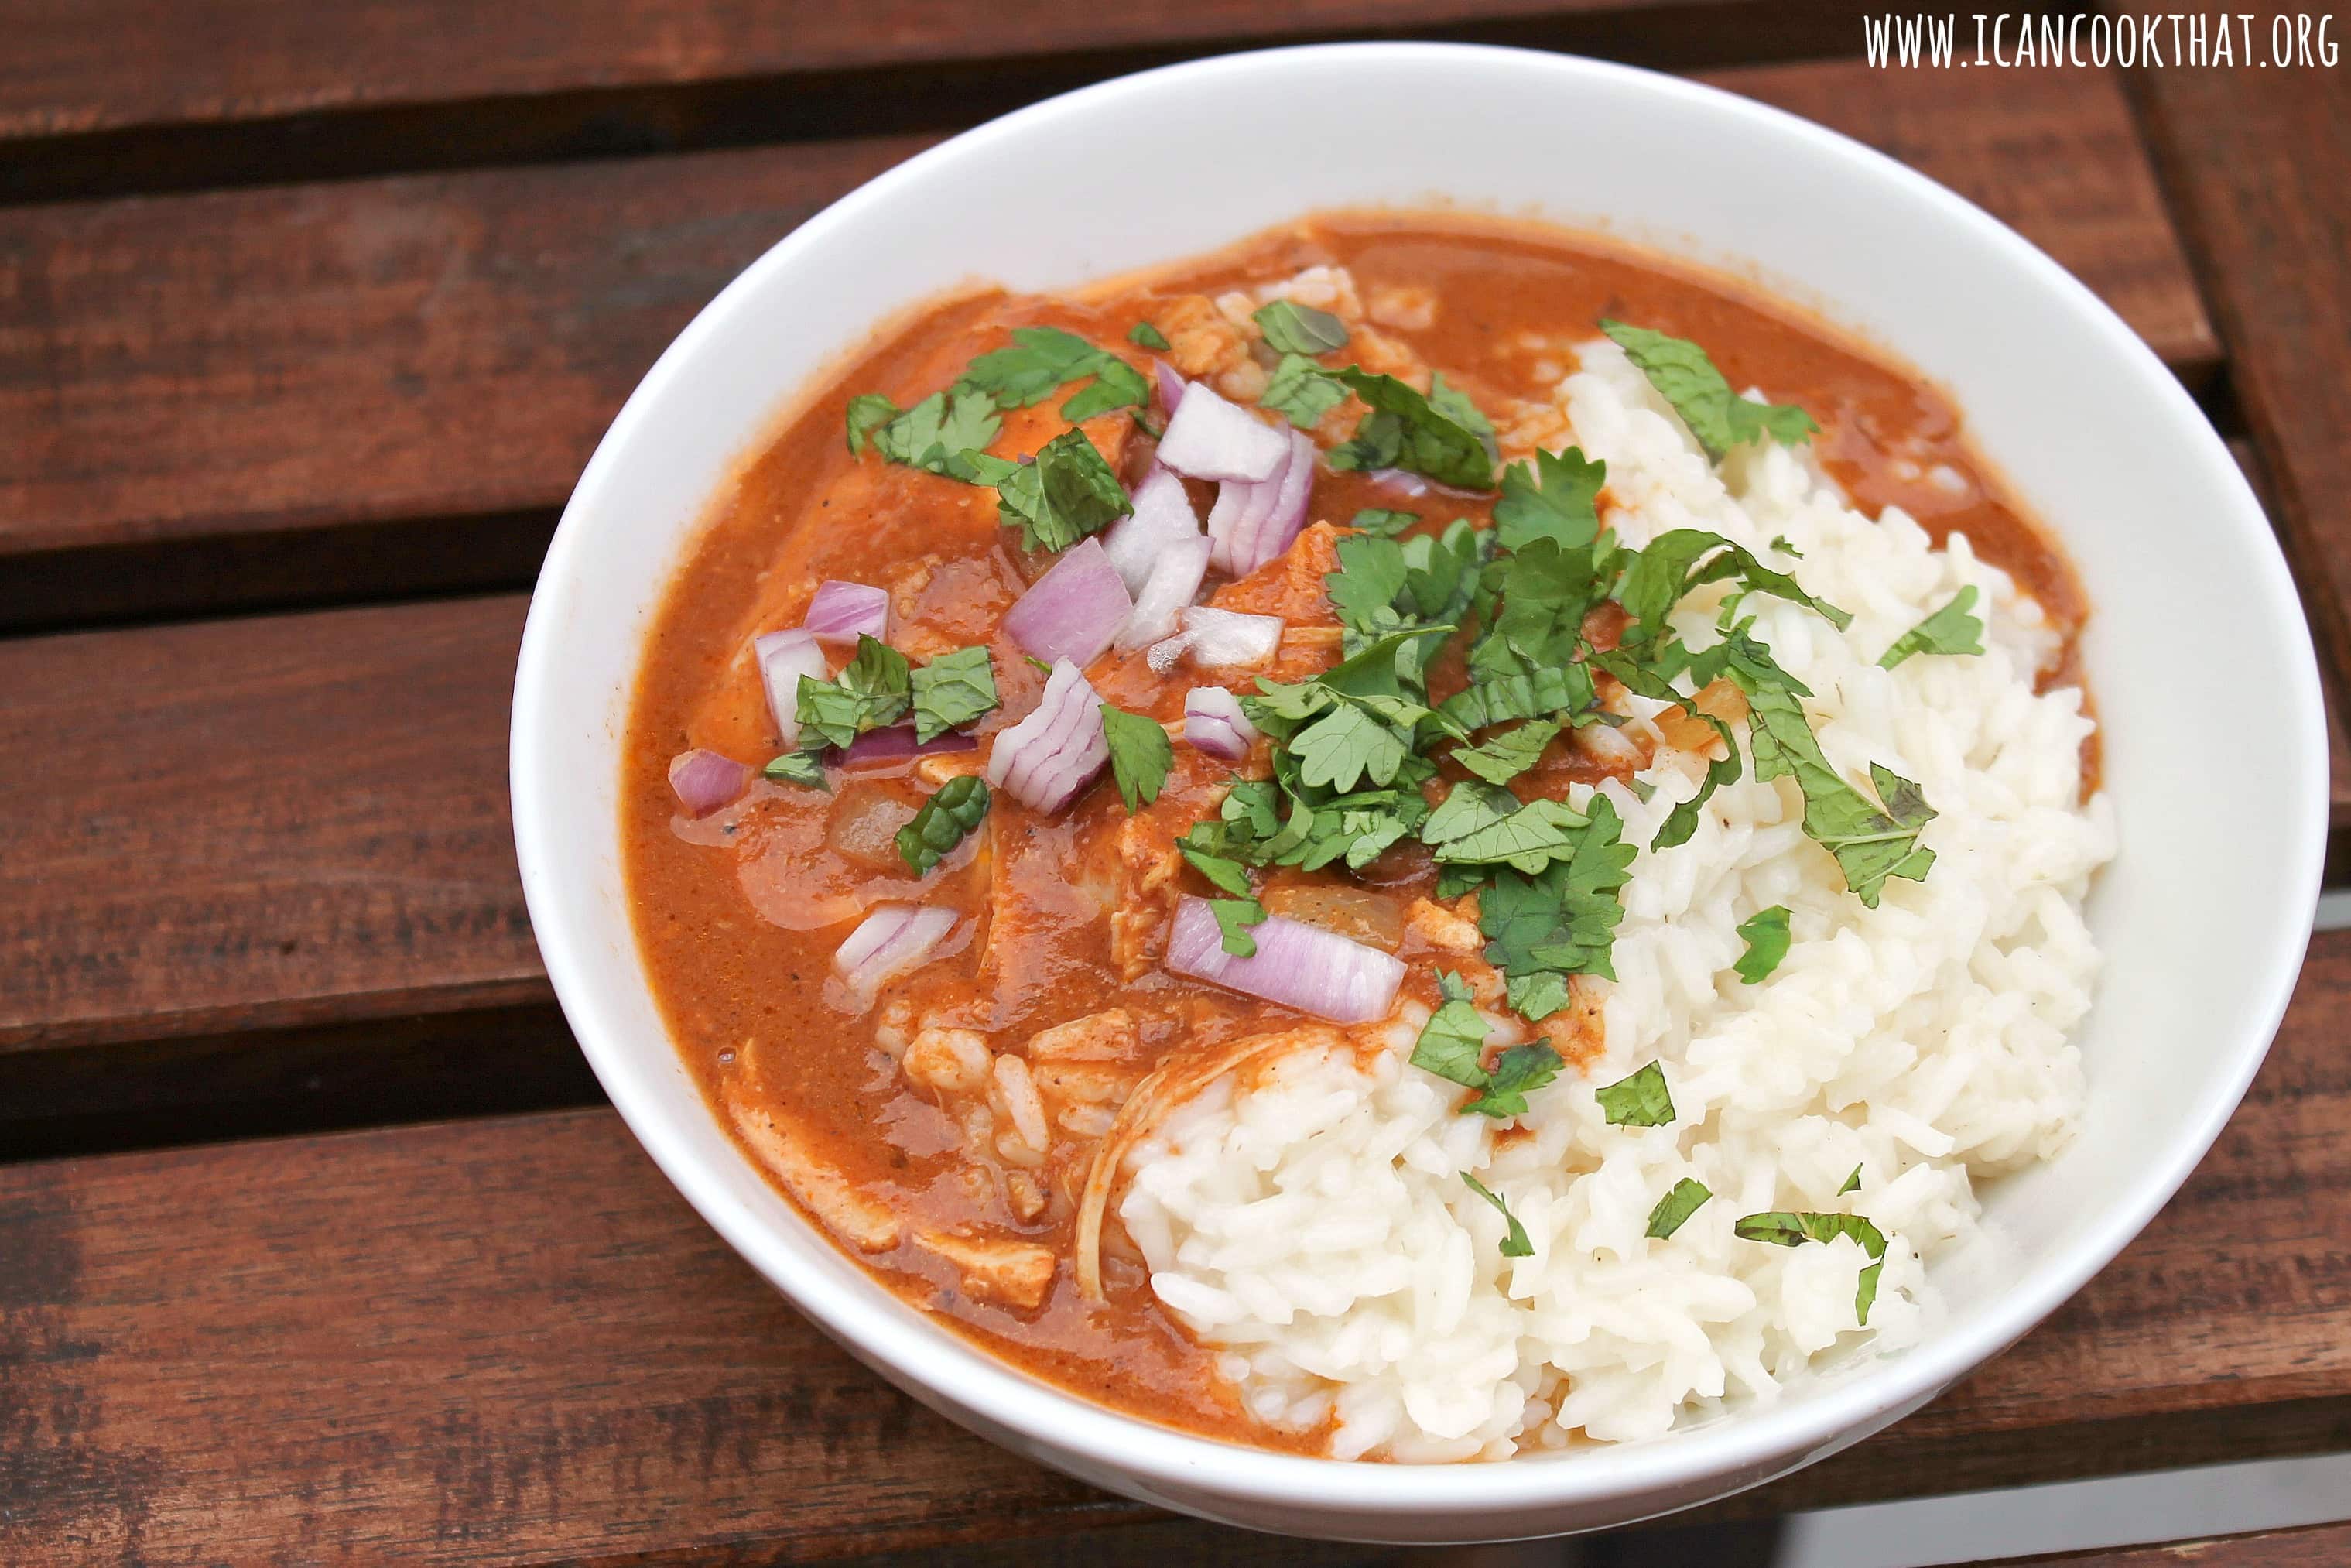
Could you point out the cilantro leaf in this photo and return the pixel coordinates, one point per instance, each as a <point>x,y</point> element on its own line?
<point>868,412</point>
<point>1685,1197</point>
<point>1454,405</point>
<point>1452,1043</point>
<point>1383,522</point>
<point>1233,917</point>
<point>1504,756</point>
<point>872,691</point>
<point>1677,562</point>
<point>1117,384</point>
<point>798,768</point>
<point>1870,842</point>
<point>1302,391</point>
<point>1782,1227</point>
<point>1346,746</point>
<point>1556,497</point>
<point>1226,874</point>
<point>942,823</point>
<point>1406,430</point>
<point>951,691</point>
<point>1682,820</point>
<point>1139,755</point>
<point>1639,1101</point>
<point>938,431</point>
<point>1518,1072</point>
<point>1363,590</point>
<point>1766,935</point>
<point>1527,840</point>
<point>1066,494</point>
<point>1143,334</point>
<point>1536,996</point>
<point>1686,378</point>
<point>1295,329</point>
<point>1515,1241</point>
<point>1852,1183</point>
<point>1042,359</point>
<point>1564,919</point>
<point>1950,630</point>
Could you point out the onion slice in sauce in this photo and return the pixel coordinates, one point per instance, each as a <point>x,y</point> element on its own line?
<point>891,940</point>
<point>705,780</point>
<point>1253,523</point>
<point>1045,760</point>
<point>1214,722</point>
<point>1073,610</point>
<point>893,741</point>
<point>1171,386</point>
<point>1174,581</point>
<point>843,611</point>
<point>784,657</point>
<point>1208,438</point>
<point>1162,516</point>
<point>1297,964</point>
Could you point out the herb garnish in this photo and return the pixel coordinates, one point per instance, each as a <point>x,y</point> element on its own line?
<point>1950,630</point>
<point>940,434</point>
<point>1686,378</point>
<point>1683,1198</point>
<point>951,691</point>
<point>1765,931</point>
<point>1302,391</point>
<point>798,768</point>
<point>1782,1227</point>
<point>943,822</point>
<point>1294,329</point>
<point>1067,493</point>
<point>1452,1045</point>
<point>1139,755</point>
<point>1556,499</point>
<point>1426,434</point>
<point>1043,359</point>
<point>872,691</point>
<point>1233,917</point>
<point>1143,334</point>
<point>1504,756</point>
<point>1871,843</point>
<point>1639,1101</point>
<point>1852,1183</point>
<point>1515,1241</point>
<point>1381,521</point>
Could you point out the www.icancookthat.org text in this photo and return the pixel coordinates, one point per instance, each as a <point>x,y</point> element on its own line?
<point>2154,40</point>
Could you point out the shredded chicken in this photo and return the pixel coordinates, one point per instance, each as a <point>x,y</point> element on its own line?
<point>1017,1273</point>
<point>864,1222</point>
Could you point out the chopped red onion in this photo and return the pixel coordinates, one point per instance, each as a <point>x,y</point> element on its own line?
<point>1251,524</point>
<point>897,740</point>
<point>891,940</point>
<point>1171,386</point>
<point>1214,722</point>
<point>784,657</point>
<point>1208,438</point>
<point>1045,760</point>
<point>1073,610</point>
<point>1297,964</point>
<point>705,780</point>
<point>1174,581</point>
<point>1163,514</point>
<point>843,611</point>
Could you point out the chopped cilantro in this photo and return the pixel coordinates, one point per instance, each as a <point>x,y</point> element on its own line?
<point>1454,405</point>
<point>1677,562</point>
<point>1515,1242</point>
<point>940,434</point>
<point>1640,1100</point>
<point>1686,378</point>
<point>1406,430</point>
<point>1143,334</point>
<point>798,768</point>
<point>1228,874</point>
<point>1295,329</point>
<point>1233,917</point>
<point>1381,521</point>
<point>1779,542</point>
<point>1536,835</point>
<point>951,691</point>
<point>1682,820</point>
<point>1452,1043</point>
<point>1852,1183</point>
<point>1042,359</point>
<point>942,823</point>
<point>1066,494</point>
<point>1555,497</point>
<point>1685,1197</point>
<point>1139,755</point>
<point>1504,756</point>
<point>1347,745</point>
<point>1518,1072</point>
<point>1302,391</point>
<point>1782,1227</point>
<point>1563,920</point>
<point>873,691</point>
<point>1766,935</point>
<point>868,412</point>
<point>1950,630</point>
<point>1871,842</point>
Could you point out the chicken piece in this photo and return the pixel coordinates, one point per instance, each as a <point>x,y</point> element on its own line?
<point>1291,586</point>
<point>1107,1036</point>
<point>1201,339</point>
<point>1406,307</point>
<point>1015,1273</point>
<point>1024,1196</point>
<point>948,1061</point>
<point>1085,1095</point>
<point>1149,866</point>
<point>1044,894</point>
<point>1441,928</point>
<point>861,1221</point>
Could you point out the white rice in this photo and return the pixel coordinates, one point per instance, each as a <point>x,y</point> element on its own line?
<point>1311,1222</point>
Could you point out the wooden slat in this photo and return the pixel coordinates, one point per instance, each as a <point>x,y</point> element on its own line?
<point>2255,160</point>
<point>262,380</point>
<point>509,1340</point>
<point>2319,1546</point>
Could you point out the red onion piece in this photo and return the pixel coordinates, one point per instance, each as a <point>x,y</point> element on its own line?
<point>1073,610</point>
<point>705,780</point>
<point>1045,760</point>
<point>784,657</point>
<point>1251,524</point>
<point>1171,386</point>
<point>897,740</point>
<point>891,940</point>
<point>843,611</point>
<point>1214,722</point>
<point>1174,581</point>
<point>1208,438</point>
<point>1297,964</point>
<point>1163,514</point>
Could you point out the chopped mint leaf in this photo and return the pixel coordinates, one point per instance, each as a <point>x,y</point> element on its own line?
<point>942,823</point>
<point>1784,1229</point>
<point>1871,842</point>
<point>868,412</point>
<point>1686,378</point>
<point>1766,935</point>
<point>1640,1100</point>
<point>1139,755</point>
<point>798,768</point>
<point>1852,1183</point>
<point>1685,1197</point>
<point>1950,630</point>
<point>1515,1243</point>
<point>873,691</point>
<point>1406,430</point>
<point>1295,329</point>
<point>951,691</point>
<point>1504,756</point>
<point>1233,917</point>
<point>1228,874</point>
<point>940,433</point>
<point>1302,391</point>
<point>1066,494</point>
<point>1556,497</point>
<point>1384,523</point>
<point>1143,334</point>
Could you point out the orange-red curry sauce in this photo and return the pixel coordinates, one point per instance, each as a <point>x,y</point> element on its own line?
<point>740,913</point>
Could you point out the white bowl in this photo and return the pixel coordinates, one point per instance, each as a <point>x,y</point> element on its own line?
<point>2198,655</point>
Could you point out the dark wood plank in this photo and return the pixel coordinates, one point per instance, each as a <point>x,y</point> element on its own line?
<point>2255,162</point>
<point>2319,1546</point>
<point>509,1340</point>
<point>451,347</point>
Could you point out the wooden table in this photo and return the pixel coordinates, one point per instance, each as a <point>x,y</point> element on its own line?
<point>317,1243</point>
